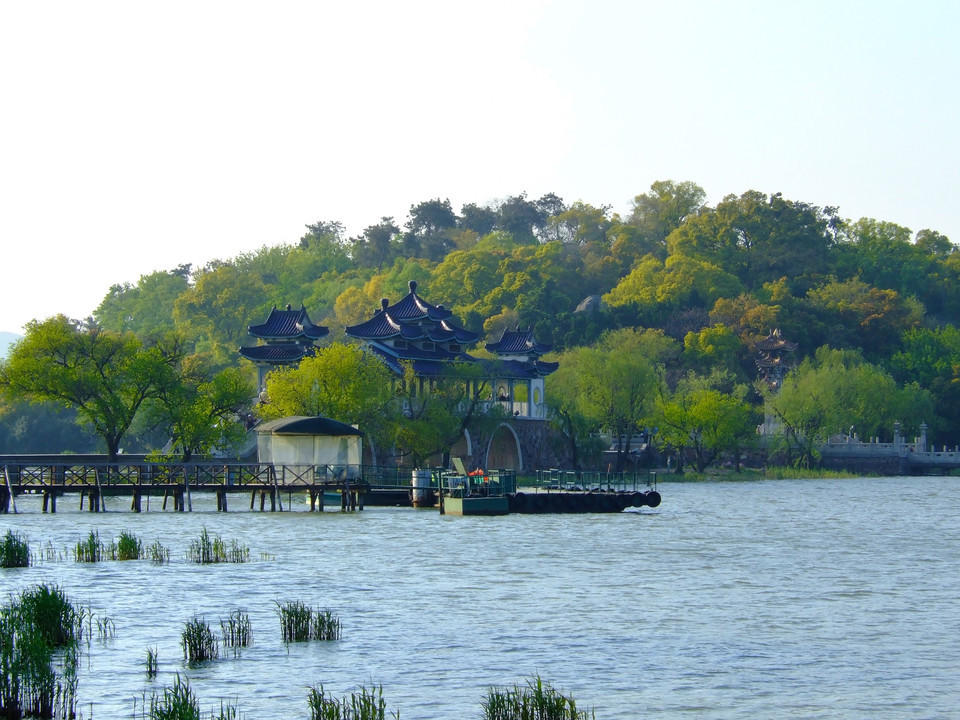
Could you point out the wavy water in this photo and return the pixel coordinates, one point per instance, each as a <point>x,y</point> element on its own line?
<point>807,599</point>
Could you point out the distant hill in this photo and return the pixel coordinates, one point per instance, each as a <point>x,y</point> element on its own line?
<point>6,339</point>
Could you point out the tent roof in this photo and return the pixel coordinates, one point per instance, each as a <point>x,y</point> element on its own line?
<point>307,425</point>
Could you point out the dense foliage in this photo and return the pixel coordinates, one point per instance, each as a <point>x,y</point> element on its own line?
<point>711,281</point>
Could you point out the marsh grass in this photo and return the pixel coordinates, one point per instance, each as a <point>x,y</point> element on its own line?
<point>199,642</point>
<point>106,628</point>
<point>90,549</point>
<point>14,551</point>
<point>235,631</point>
<point>39,654</point>
<point>362,705</point>
<point>536,700</point>
<point>301,623</point>
<point>157,553</point>
<point>176,703</point>
<point>153,663</point>
<point>208,549</point>
<point>179,703</point>
<point>127,547</point>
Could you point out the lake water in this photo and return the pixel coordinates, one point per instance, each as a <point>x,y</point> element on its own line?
<point>806,599</point>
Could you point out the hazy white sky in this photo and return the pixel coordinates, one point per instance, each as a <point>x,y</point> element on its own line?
<point>138,136</point>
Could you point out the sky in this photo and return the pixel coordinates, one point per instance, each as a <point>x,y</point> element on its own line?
<point>137,137</point>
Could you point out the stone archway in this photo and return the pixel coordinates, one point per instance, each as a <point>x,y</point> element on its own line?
<point>504,449</point>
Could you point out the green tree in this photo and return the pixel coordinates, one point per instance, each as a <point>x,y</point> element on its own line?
<point>931,359</point>
<point>856,315</point>
<point>201,410</point>
<point>431,224</point>
<point>378,245</point>
<point>702,420</point>
<point>436,412</point>
<point>714,348</point>
<point>658,213</point>
<point>145,308</point>
<point>835,390</point>
<point>613,385</point>
<point>568,412</point>
<point>216,311</point>
<point>758,238</point>
<point>343,382</point>
<point>105,376</point>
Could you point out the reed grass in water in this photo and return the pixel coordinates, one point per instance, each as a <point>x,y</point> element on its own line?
<point>152,662</point>
<point>301,623</point>
<point>39,627</point>
<point>90,549</point>
<point>158,554</point>
<point>362,705</point>
<point>536,700</point>
<point>14,551</point>
<point>235,631</point>
<point>209,549</point>
<point>179,703</point>
<point>198,642</point>
<point>127,547</point>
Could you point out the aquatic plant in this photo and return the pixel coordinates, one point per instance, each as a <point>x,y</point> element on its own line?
<point>209,549</point>
<point>536,700</point>
<point>301,623</point>
<point>14,551</point>
<point>128,547</point>
<point>35,629</point>
<point>106,628</point>
<point>362,705</point>
<point>179,703</point>
<point>157,553</point>
<point>152,662</point>
<point>235,630</point>
<point>198,642</point>
<point>176,703</point>
<point>90,549</point>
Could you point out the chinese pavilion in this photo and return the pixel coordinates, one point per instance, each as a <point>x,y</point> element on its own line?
<point>288,336</point>
<point>771,361</point>
<point>521,372</point>
<point>415,331</point>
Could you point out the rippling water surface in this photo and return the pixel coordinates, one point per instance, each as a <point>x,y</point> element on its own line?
<point>807,599</point>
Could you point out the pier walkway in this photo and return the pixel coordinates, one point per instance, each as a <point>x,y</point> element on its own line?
<point>55,477</point>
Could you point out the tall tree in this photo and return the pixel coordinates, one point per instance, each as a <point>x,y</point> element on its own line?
<point>201,410</point>
<point>758,238</point>
<point>431,224</point>
<point>658,213</point>
<point>105,376</point>
<point>378,245</point>
<point>835,390</point>
<point>342,382</point>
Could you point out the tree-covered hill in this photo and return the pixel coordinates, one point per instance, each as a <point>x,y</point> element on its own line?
<point>714,280</point>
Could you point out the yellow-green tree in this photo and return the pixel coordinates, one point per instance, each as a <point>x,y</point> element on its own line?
<point>105,376</point>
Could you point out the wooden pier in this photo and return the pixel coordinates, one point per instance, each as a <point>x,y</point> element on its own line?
<point>91,482</point>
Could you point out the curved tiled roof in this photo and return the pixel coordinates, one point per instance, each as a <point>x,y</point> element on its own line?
<point>288,324</point>
<point>278,353</point>
<point>412,319</point>
<point>518,342</point>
